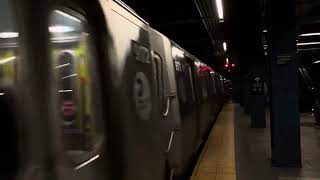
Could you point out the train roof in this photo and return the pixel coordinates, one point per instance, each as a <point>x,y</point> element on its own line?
<point>130,10</point>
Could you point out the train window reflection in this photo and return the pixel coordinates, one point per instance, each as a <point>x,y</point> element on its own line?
<point>9,56</point>
<point>72,59</point>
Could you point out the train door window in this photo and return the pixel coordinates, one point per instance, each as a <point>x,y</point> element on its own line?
<point>184,82</point>
<point>160,78</point>
<point>214,88</point>
<point>204,87</point>
<point>76,89</point>
<point>9,56</point>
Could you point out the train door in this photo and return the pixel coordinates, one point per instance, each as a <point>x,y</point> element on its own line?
<point>168,102</point>
<point>186,103</point>
<point>8,71</point>
<point>138,144</point>
<point>77,124</point>
<point>23,106</point>
<point>201,99</point>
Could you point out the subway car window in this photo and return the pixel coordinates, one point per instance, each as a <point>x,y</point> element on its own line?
<point>9,56</point>
<point>184,83</point>
<point>76,88</point>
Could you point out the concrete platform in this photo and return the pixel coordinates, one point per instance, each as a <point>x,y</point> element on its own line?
<point>235,151</point>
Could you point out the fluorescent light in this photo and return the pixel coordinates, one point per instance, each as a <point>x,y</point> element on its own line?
<point>309,34</point>
<point>227,60</point>
<point>72,75</point>
<point>6,60</point>
<point>316,62</point>
<point>60,29</point>
<point>309,49</point>
<point>9,34</point>
<point>265,30</point>
<point>1,94</point>
<point>86,162</point>
<point>220,8</point>
<point>67,16</point>
<point>224,46</point>
<point>66,90</point>
<point>310,43</point>
<point>62,65</point>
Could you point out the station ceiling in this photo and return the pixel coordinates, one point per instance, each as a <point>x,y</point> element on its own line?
<point>195,26</point>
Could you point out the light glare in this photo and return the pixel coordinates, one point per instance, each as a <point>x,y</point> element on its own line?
<point>316,62</point>
<point>310,43</point>
<point>6,60</point>
<point>220,9</point>
<point>224,46</point>
<point>9,34</point>
<point>309,34</point>
<point>67,16</point>
<point>60,29</point>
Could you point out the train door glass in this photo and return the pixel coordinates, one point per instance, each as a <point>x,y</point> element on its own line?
<point>214,88</point>
<point>9,56</point>
<point>76,93</point>
<point>159,70</point>
<point>184,83</point>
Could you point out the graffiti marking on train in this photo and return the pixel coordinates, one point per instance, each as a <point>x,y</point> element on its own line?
<point>142,96</point>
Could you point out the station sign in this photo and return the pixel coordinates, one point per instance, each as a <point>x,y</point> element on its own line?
<point>257,85</point>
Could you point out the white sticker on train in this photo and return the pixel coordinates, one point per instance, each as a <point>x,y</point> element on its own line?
<point>142,96</point>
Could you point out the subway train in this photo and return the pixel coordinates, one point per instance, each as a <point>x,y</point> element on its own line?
<point>88,90</point>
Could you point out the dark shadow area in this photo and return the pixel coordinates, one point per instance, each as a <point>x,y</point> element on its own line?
<point>253,150</point>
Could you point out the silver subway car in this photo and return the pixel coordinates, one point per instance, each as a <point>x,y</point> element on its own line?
<point>88,90</point>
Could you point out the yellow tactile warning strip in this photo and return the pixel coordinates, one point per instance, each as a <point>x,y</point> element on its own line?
<point>217,160</point>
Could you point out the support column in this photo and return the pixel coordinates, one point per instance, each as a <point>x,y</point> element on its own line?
<point>285,121</point>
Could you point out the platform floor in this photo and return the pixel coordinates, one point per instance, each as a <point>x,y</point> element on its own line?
<point>217,160</point>
<point>235,151</point>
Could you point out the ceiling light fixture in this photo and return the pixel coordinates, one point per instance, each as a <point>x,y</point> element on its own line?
<point>309,34</point>
<point>220,9</point>
<point>310,43</point>
<point>9,34</point>
<point>224,46</point>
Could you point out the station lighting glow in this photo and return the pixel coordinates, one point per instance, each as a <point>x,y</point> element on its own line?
<point>310,43</point>
<point>226,65</point>
<point>227,60</point>
<point>309,34</point>
<point>265,31</point>
<point>67,16</point>
<point>60,29</point>
<point>220,9</point>
<point>9,34</point>
<point>6,60</point>
<point>232,65</point>
<point>224,46</point>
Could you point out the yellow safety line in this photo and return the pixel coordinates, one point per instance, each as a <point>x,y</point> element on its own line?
<point>217,160</point>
